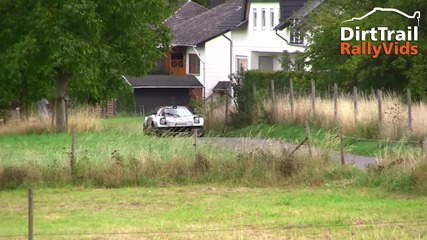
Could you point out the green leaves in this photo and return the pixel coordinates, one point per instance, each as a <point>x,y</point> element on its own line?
<point>92,41</point>
<point>391,72</point>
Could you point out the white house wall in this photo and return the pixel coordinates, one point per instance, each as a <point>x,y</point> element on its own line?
<point>217,62</point>
<point>216,55</point>
<point>258,41</point>
<point>196,50</point>
<point>248,41</point>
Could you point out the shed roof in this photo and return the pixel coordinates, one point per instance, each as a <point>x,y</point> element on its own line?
<point>222,85</point>
<point>164,81</point>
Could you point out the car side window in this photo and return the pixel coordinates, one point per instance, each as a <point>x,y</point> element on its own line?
<point>162,113</point>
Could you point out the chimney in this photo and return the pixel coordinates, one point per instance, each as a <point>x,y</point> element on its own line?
<point>214,3</point>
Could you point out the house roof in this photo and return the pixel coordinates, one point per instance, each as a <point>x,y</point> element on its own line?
<point>164,81</point>
<point>205,26</point>
<point>290,9</point>
<point>222,85</point>
<point>236,19</point>
<point>187,11</point>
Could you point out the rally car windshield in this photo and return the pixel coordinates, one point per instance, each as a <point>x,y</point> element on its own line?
<point>178,112</point>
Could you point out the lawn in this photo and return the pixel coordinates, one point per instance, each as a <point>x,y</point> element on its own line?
<point>122,136</point>
<point>165,194</point>
<point>296,134</point>
<point>214,212</point>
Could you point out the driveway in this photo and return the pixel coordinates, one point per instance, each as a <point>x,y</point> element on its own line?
<point>248,144</point>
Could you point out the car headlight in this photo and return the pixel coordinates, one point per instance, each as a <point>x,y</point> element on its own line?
<point>196,120</point>
<point>162,121</point>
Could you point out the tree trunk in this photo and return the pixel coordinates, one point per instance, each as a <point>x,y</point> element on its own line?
<point>61,90</point>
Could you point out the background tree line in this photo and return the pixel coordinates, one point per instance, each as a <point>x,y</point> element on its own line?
<point>389,72</point>
<point>80,48</point>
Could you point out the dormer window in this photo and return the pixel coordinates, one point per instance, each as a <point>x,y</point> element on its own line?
<point>295,34</point>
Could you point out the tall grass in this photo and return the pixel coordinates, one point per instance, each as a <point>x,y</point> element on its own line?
<point>82,119</point>
<point>395,123</point>
<point>257,168</point>
<point>140,160</point>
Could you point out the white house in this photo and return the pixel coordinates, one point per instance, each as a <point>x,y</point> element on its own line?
<point>240,33</point>
<point>210,44</point>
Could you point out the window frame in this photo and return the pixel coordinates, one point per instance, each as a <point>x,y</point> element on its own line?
<point>263,18</point>
<point>295,36</point>
<point>255,18</point>
<point>190,68</point>
<point>272,20</point>
<point>239,58</point>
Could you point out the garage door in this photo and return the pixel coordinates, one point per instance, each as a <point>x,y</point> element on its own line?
<point>146,99</point>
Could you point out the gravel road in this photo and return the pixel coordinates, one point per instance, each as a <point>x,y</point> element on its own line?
<point>248,144</point>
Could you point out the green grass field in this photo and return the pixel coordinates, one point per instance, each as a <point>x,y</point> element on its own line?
<point>132,186</point>
<point>296,134</point>
<point>120,135</point>
<point>215,212</point>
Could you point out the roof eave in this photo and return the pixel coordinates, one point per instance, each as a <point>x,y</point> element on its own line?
<point>169,86</point>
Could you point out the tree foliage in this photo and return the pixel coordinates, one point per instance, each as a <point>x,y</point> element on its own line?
<point>81,47</point>
<point>390,72</point>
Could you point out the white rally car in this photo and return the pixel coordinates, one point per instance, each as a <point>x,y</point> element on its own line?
<point>173,119</point>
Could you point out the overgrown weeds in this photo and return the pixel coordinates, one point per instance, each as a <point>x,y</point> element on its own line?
<point>365,123</point>
<point>254,168</point>
<point>82,119</point>
<point>398,168</point>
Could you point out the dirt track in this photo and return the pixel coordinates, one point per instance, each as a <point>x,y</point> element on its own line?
<point>249,144</point>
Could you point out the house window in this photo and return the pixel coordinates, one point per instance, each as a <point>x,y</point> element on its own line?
<point>295,34</point>
<point>266,63</point>
<point>271,18</point>
<point>241,63</point>
<point>194,64</point>
<point>263,18</point>
<point>255,19</point>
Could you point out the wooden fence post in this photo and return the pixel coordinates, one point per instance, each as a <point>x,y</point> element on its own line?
<point>342,146</point>
<point>355,98</point>
<point>291,86</point>
<point>409,102</point>
<point>195,144</point>
<point>313,97</point>
<point>53,113</point>
<point>226,106</point>
<point>73,152</point>
<point>273,101</point>
<point>211,108</point>
<point>380,109</point>
<point>308,136</point>
<point>336,102</point>
<point>273,94</point>
<point>30,214</point>
<point>18,115</point>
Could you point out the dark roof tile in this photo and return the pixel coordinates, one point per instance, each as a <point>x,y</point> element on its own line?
<point>187,11</point>
<point>205,26</point>
<point>295,9</point>
<point>164,81</point>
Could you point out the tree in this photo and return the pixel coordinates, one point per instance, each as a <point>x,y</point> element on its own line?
<point>80,46</point>
<point>390,72</point>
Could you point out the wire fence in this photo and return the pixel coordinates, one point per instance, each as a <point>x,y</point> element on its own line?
<point>412,223</point>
